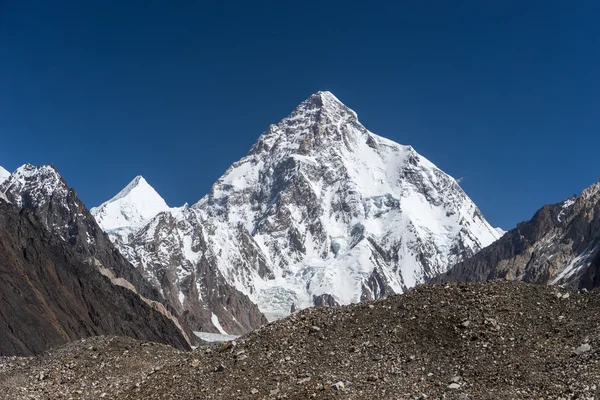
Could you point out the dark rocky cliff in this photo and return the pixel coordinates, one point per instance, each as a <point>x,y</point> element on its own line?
<point>50,294</point>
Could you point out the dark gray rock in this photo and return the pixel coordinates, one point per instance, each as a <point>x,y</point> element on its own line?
<point>51,295</point>
<point>559,245</point>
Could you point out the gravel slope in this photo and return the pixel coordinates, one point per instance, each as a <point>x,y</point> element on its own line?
<point>498,340</point>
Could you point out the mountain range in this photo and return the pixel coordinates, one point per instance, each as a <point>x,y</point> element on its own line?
<point>320,211</point>
<point>53,292</point>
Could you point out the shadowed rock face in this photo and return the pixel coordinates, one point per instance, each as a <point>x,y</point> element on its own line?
<point>51,295</point>
<point>559,245</point>
<point>43,191</point>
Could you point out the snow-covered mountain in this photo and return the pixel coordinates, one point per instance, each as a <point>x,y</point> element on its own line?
<point>320,211</point>
<point>4,174</point>
<point>130,209</point>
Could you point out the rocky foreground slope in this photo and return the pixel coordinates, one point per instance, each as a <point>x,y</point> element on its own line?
<point>499,340</point>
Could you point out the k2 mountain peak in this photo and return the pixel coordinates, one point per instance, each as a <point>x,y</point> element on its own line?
<point>320,211</point>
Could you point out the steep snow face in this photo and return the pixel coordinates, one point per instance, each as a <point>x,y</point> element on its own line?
<point>4,174</point>
<point>129,210</point>
<point>322,211</point>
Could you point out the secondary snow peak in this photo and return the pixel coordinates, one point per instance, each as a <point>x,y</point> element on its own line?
<point>129,209</point>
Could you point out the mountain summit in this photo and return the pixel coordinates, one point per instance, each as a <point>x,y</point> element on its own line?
<point>320,211</point>
<point>129,209</point>
<point>336,214</point>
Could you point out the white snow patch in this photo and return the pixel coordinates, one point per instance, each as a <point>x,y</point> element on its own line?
<point>215,320</point>
<point>130,209</point>
<point>4,174</point>
<point>215,337</point>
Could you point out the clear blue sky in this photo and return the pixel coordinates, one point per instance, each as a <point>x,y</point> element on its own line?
<point>504,94</point>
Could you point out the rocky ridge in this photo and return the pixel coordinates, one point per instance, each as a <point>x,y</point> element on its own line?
<point>43,191</point>
<point>51,295</point>
<point>560,245</point>
<point>498,340</point>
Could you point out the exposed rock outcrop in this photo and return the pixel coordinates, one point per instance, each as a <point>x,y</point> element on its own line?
<point>559,245</point>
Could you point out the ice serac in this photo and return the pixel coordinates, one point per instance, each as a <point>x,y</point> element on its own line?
<point>559,245</point>
<point>129,210</point>
<point>323,211</point>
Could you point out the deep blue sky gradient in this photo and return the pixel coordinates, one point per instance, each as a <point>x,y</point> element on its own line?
<point>505,95</point>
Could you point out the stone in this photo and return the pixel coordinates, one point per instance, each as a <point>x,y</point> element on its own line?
<point>584,348</point>
<point>220,368</point>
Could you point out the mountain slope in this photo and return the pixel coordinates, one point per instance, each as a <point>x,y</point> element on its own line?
<point>559,245</point>
<point>174,255</point>
<point>320,211</point>
<point>493,341</point>
<point>43,191</point>
<point>51,295</point>
<point>130,209</point>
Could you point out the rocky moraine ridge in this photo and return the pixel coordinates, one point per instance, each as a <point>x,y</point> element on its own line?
<point>498,340</point>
